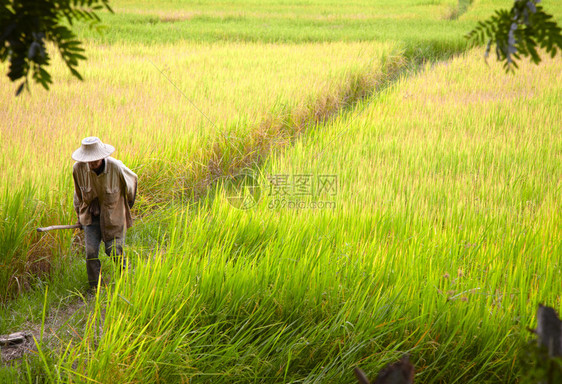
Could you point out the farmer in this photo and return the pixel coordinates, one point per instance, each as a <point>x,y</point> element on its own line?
<point>104,193</point>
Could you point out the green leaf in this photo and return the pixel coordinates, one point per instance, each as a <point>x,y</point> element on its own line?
<point>20,89</point>
<point>75,73</point>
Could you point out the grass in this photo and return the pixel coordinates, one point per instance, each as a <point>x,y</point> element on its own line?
<point>441,238</point>
<point>418,255</point>
<point>166,83</point>
<point>275,22</point>
<point>179,125</point>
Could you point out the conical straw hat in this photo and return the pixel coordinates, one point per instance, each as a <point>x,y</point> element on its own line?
<point>92,149</point>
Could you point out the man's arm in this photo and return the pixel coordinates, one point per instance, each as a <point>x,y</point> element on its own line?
<point>77,195</point>
<point>129,182</point>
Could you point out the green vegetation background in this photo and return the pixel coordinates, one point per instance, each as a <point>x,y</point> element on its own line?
<point>401,265</point>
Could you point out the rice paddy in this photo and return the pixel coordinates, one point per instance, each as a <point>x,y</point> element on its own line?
<point>409,201</point>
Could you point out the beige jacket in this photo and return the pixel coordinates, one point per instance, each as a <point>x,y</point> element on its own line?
<point>115,188</point>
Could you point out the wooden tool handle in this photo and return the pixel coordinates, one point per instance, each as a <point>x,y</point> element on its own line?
<point>45,229</point>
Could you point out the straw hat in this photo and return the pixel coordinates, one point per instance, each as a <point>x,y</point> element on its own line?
<point>92,149</point>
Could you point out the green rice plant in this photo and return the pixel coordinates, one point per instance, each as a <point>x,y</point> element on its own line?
<point>15,219</point>
<point>436,247</point>
<point>28,257</point>
<point>179,152</point>
<point>439,241</point>
<point>186,148</point>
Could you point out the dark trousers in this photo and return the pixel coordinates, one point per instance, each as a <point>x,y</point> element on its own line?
<point>113,248</point>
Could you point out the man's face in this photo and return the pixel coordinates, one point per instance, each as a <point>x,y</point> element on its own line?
<point>95,164</point>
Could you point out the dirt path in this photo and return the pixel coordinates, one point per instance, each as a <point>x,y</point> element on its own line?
<point>61,325</point>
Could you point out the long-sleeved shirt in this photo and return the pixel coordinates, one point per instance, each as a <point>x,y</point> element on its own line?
<point>115,189</point>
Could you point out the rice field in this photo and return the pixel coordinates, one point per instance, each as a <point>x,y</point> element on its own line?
<point>163,102</point>
<point>180,116</point>
<point>403,207</point>
<point>178,124</point>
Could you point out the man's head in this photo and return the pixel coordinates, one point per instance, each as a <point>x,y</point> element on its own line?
<point>92,151</point>
<point>95,164</point>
